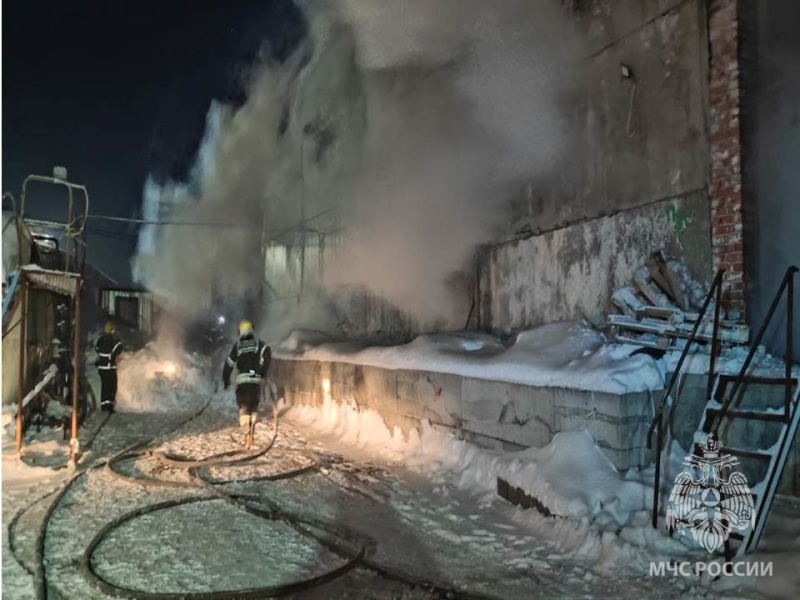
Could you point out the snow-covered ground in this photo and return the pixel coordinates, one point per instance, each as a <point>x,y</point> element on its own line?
<point>426,504</point>
<point>567,355</point>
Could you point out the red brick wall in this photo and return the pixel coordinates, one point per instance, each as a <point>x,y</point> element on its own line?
<point>726,173</point>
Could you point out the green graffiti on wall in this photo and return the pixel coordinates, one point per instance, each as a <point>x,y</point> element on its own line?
<point>679,219</point>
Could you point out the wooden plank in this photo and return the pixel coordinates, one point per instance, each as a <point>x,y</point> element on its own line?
<point>623,307</point>
<point>739,334</point>
<point>667,279</point>
<point>736,335</point>
<point>677,286</point>
<point>651,292</point>
<point>660,344</point>
<point>659,278</point>
<point>673,315</point>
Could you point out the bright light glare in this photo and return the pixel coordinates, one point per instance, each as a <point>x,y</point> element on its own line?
<point>169,369</point>
<point>326,386</point>
<point>221,320</point>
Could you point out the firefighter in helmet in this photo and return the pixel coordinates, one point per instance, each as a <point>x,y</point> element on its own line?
<point>108,349</point>
<point>251,357</point>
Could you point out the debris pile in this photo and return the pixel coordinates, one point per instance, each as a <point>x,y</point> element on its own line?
<point>662,305</point>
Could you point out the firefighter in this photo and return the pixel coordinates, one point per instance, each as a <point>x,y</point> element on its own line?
<point>108,349</point>
<point>251,357</point>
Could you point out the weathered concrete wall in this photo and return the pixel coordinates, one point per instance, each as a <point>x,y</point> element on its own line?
<point>572,272</point>
<point>510,416</point>
<point>490,413</point>
<point>639,149</point>
<point>637,140</point>
<point>634,182</point>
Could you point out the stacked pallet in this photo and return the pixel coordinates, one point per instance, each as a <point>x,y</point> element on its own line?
<point>661,307</point>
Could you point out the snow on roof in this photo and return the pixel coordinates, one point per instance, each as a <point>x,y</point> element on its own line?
<point>565,354</point>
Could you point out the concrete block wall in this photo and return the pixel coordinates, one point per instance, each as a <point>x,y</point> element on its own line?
<point>509,416</point>
<point>494,414</point>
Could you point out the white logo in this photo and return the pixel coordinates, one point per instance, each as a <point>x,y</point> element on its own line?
<point>710,498</point>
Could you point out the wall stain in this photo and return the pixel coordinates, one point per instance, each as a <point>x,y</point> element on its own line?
<point>679,219</point>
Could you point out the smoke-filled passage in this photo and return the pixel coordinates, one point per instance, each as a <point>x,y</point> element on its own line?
<point>415,120</point>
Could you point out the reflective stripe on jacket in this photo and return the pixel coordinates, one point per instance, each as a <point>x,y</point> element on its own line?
<point>108,349</point>
<point>251,357</point>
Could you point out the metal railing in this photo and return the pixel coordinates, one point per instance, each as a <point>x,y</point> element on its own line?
<point>657,424</point>
<point>73,267</point>
<point>778,459</point>
<point>73,227</point>
<point>787,285</point>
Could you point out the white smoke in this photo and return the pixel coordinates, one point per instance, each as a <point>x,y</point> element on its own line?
<point>416,119</point>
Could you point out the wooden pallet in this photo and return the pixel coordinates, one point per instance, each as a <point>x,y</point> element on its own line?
<point>660,328</point>
<point>656,310</point>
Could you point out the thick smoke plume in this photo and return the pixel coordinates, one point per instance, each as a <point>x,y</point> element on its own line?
<point>416,120</point>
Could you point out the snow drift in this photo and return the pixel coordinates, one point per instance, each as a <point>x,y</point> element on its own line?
<point>568,354</point>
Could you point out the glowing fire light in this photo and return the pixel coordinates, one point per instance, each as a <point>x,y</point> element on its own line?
<point>169,369</point>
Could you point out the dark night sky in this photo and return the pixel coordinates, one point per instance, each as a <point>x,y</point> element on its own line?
<point>118,89</point>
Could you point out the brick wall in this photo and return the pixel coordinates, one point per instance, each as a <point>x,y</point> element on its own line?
<point>726,173</point>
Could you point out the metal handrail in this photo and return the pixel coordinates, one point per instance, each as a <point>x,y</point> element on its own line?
<point>787,284</point>
<point>657,422</point>
<point>74,226</point>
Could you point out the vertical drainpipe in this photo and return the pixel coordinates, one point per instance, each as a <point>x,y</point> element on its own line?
<point>23,295</point>
<point>76,343</point>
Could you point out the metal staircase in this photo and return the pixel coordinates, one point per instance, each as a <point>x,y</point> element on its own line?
<point>762,454</point>
<point>737,418</point>
<point>757,428</point>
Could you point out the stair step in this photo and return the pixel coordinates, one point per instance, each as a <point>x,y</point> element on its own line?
<point>748,453</point>
<point>726,383</point>
<point>725,379</point>
<point>749,414</point>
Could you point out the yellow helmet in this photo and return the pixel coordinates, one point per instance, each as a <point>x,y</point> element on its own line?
<point>109,327</point>
<point>245,327</point>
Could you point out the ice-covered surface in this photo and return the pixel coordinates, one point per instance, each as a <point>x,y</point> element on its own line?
<point>602,518</point>
<point>568,354</point>
<point>427,499</point>
<point>41,451</point>
<point>571,477</point>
